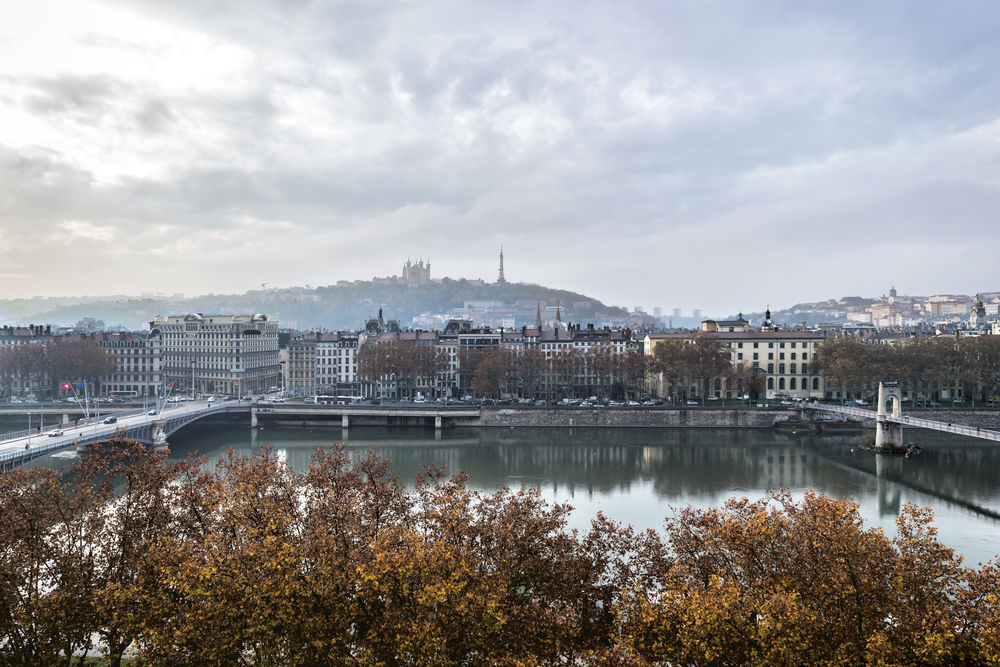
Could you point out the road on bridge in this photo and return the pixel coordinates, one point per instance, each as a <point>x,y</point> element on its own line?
<point>94,429</point>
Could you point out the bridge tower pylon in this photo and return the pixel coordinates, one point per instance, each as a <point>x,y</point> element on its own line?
<point>888,434</point>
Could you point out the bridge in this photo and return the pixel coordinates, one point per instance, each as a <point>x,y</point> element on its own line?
<point>153,427</point>
<point>889,420</point>
<point>148,427</point>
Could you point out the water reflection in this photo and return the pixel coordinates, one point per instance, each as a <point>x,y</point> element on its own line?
<point>637,475</point>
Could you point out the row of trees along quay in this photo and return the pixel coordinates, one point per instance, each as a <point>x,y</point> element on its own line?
<point>699,366</point>
<point>966,367</point>
<point>47,366</point>
<point>248,562</point>
<point>498,371</point>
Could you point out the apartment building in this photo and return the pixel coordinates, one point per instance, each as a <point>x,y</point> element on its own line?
<point>219,354</point>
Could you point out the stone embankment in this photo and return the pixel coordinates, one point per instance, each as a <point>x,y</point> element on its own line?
<point>648,418</point>
<point>742,417</point>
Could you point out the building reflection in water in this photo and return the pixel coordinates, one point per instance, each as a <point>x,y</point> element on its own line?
<point>677,465</point>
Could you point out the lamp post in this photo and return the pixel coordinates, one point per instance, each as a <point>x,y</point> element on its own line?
<point>193,392</point>
<point>281,366</point>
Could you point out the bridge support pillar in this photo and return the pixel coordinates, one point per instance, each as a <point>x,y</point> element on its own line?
<point>65,418</point>
<point>159,435</point>
<point>888,434</point>
<point>253,417</point>
<point>344,421</point>
<point>437,423</point>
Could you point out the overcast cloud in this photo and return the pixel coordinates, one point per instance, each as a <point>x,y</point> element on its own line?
<point>720,155</point>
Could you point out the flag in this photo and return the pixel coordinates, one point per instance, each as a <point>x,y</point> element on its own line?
<point>170,385</point>
<point>83,383</point>
<point>66,387</point>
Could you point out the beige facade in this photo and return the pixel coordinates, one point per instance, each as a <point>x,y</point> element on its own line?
<point>784,359</point>
<point>337,362</point>
<point>219,354</point>
<point>301,373</point>
<point>138,361</point>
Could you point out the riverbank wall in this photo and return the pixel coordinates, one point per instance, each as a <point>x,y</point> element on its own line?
<point>639,418</point>
<point>744,417</point>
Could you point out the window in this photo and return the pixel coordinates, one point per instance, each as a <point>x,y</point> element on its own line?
<point>781,355</point>
<point>782,344</point>
<point>816,384</point>
<point>770,355</point>
<point>805,356</point>
<point>791,369</point>
<point>781,383</point>
<point>770,368</point>
<point>805,368</point>
<point>791,383</point>
<point>755,346</point>
<point>771,345</point>
<point>781,370</point>
<point>755,356</point>
<point>739,356</point>
<point>770,383</point>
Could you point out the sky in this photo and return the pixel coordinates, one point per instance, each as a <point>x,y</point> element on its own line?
<point>704,154</point>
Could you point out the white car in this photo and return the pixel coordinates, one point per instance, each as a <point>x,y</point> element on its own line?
<point>55,433</point>
<point>152,412</point>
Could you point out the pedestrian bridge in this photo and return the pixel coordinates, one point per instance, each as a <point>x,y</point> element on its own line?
<point>905,420</point>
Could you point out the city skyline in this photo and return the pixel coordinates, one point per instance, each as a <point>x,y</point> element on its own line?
<point>683,155</point>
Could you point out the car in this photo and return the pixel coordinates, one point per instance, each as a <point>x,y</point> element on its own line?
<point>691,402</point>
<point>152,412</point>
<point>111,420</point>
<point>712,398</point>
<point>55,433</point>
<point>958,401</point>
<point>632,404</point>
<point>212,399</point>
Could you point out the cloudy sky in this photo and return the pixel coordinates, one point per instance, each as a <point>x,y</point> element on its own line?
<point>720,155</point>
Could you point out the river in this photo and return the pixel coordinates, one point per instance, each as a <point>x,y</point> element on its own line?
<point>638,475</point>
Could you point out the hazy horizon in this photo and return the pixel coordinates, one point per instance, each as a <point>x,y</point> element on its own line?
<point>695,155</point>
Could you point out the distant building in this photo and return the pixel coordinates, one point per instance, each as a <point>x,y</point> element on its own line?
<point>783,358</point>
<point>337,363</point>
<point>13,335</point>
<point>301,372</point>
<point>219,354</point>
<point>138,360</point>
<point>416,274</point>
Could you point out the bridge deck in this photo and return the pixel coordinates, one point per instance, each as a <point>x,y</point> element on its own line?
<point>918,422</point>
<point>21,447</point>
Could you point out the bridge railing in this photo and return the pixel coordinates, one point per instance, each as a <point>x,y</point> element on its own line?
<point>17,435</point>
<point>917,422</point>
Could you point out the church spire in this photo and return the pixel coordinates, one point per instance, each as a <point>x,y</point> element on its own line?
<point>538,314</point>
<point>500,278</point>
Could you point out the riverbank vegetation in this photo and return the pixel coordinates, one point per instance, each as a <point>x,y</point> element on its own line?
<point>247,561</point>
<point>927,367</point>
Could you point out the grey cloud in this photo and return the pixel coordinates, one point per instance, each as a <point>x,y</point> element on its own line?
<point>87,94</point>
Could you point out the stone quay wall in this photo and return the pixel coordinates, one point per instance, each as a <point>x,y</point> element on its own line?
<point>697,417</point>
<point>638,418</point>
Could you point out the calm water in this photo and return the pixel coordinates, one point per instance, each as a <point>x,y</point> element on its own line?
<point>638,475</point>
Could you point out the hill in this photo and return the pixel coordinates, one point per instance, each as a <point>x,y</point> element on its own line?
<point>342,306</point>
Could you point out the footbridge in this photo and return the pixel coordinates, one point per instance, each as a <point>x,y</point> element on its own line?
<point>889,420</point>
